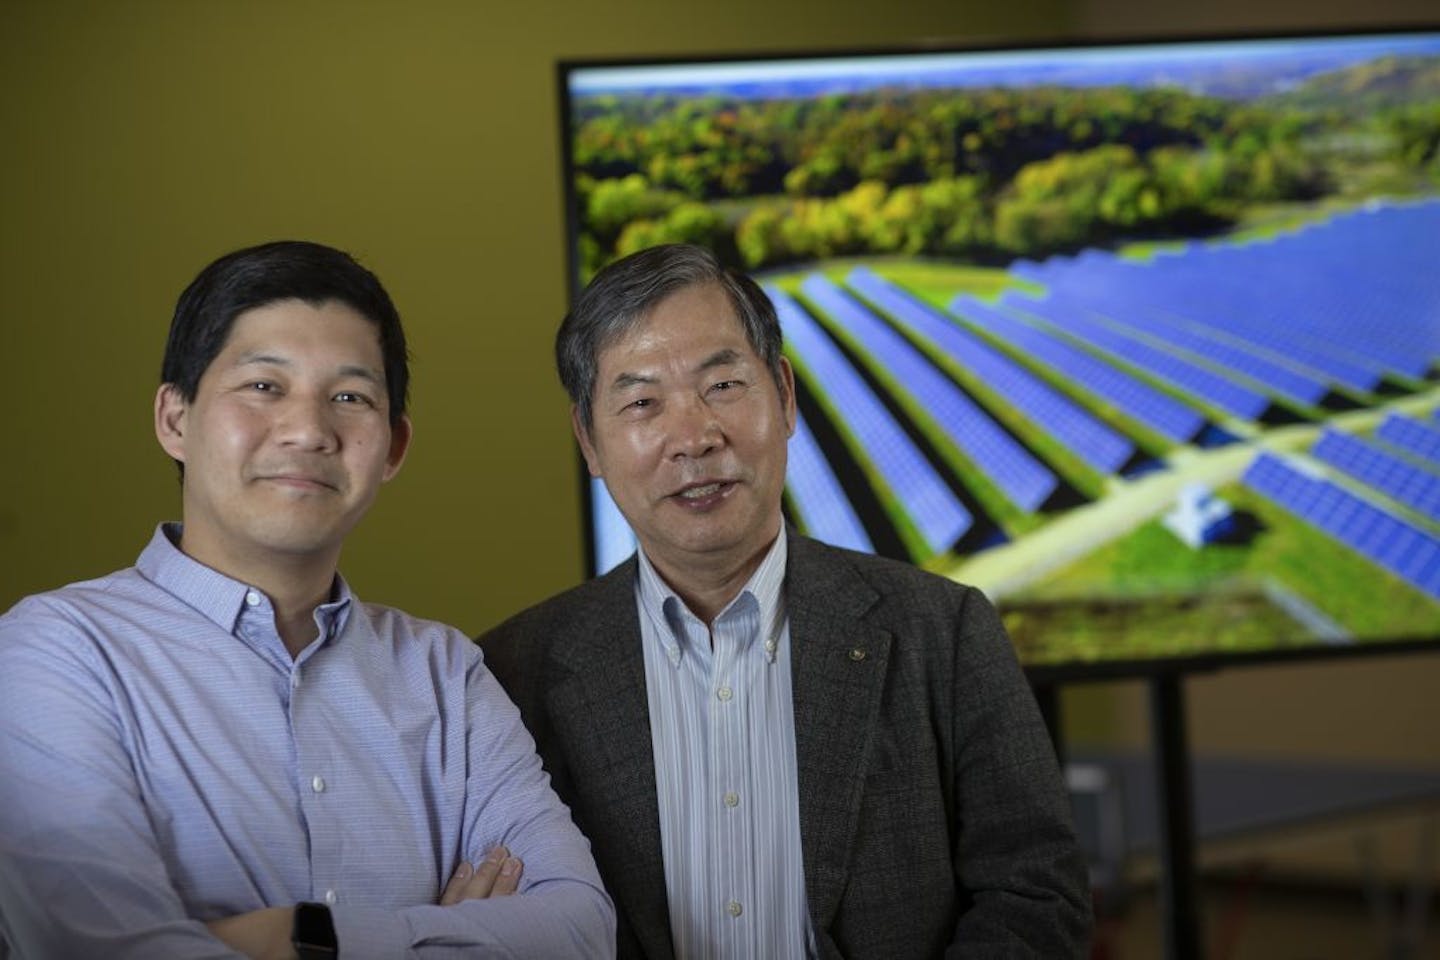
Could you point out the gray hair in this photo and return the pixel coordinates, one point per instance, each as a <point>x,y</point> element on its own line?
<point>623,294</point>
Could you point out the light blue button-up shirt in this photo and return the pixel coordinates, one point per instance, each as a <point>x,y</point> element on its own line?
<point>722,725</point>
<point>164,761</point>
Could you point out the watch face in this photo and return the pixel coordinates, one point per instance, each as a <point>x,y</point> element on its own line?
<point>313,934</point>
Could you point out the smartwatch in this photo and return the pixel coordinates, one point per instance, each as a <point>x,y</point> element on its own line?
<point>313,933</point>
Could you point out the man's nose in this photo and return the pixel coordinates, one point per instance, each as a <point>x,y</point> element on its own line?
<point>694,429</point>
<point>307,423</point>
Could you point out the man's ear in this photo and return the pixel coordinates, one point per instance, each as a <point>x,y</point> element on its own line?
<point>787,395</point>
<point>582,436</point>
<point>170,423</point>
<point>400,436</point>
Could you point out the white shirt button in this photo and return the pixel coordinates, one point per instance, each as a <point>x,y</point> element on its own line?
<point>318,784</point>
<point>734,908</point>
<point>732,799</point>
<point>330,897</point>
<point>252,598</point>
<point>724,693</point>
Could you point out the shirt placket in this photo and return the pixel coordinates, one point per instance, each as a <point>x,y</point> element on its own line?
<point>315,779</point>
<point>730,789</point>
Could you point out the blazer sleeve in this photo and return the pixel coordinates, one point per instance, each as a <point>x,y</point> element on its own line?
<point>1015,853</point>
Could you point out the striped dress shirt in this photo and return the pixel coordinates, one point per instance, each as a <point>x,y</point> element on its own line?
<point>723,732</point>
<point>164,761</point>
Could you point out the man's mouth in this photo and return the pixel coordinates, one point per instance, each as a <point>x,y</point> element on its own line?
<point>300,481</point>
<point>704,494</point>
<point>705,490</point>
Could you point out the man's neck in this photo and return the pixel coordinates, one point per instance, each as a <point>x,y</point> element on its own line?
<point>707,585</point>
<point>295,586</point>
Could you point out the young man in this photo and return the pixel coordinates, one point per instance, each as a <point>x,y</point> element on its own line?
<point>779,749</point>
<point>223,751</point>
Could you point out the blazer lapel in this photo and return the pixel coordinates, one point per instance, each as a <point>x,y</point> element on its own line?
<point>601,700</point>
<point>838,674</point>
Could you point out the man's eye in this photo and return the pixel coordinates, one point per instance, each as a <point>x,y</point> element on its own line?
<point>640,404</point>
<point>349,396</point>
<point>727,385</point>
<point>261,386</point>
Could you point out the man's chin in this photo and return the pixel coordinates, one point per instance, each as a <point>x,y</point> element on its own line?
<point>299,541</point>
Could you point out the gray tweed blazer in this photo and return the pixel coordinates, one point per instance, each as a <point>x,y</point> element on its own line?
<point>933,819</point>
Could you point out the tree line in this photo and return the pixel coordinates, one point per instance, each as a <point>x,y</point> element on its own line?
<point>985,174</point>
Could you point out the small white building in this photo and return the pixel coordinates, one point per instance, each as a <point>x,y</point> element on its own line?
<point>1199,517</point>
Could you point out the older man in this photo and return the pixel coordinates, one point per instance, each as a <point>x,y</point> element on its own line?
<point>222,750</point>
<point>777,748</point>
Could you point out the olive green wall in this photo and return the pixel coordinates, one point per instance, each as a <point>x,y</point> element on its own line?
<point>138,140</point>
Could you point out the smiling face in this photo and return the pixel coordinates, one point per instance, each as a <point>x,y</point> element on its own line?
<point>689,433</point>
<point>287,440</point>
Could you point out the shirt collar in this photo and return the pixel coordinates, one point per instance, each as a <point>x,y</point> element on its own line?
<point>670,616</point>
<point>219,598</point>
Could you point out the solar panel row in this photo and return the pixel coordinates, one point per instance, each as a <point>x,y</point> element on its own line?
<point>1394,476</point>
<point>1405,550</point>
<point>924,496</point>
<point>1411,435</point>
<point>1079,323</point>
<point>1073,427</point>
<point>1023,479</point>
<point>1351,298</point>
<point>1135,398</point>
<point>824,511</point>
<point>1247,360</point>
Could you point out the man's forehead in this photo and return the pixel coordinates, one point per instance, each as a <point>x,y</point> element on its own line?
<point>660,348</point>
<point>285,331</point>
<point>694,320</point>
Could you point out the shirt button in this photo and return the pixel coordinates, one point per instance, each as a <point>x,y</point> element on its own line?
<point>252,598</point>
<point>734,908</point>
<point>330,897</point>
<point>724,693</point>
<point>318,784</point>
<point>732,799</point>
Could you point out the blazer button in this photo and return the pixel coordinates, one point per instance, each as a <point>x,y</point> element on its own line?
<point>857,654</point>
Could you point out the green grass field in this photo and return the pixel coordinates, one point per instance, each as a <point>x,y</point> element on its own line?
<point>1210,599</point>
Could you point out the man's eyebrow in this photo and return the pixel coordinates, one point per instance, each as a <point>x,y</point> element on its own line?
<point>271,359</point>
<point>720,358</point>
<point>364,373</point>
<point>625,381</point>
<point>346,369</point>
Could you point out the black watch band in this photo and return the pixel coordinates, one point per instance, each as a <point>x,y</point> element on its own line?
<point>313,932</point>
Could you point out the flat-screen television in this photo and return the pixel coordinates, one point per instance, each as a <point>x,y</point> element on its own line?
<point>1142,339</point>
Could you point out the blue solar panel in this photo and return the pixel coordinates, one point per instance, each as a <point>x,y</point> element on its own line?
<point>614,540</point>
<point>1412,435</point>
<point>1405,550</point>
<point>923,494</point>
<point>1394,476</point>
<point>1023,479</point>
<point>822,508</point>
<point>1228,312</point>
<point>1137,399</point>
<point>1083,435</point>
<point>1078,322</point>
<point>1261,366</point>
<point>1350,299</point>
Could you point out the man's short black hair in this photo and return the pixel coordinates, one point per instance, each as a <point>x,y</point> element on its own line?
<point>269,273</point>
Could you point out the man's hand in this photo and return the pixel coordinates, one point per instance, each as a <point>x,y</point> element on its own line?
<point>265,934</point>
<point>259,934</point>
<point>498,875</point>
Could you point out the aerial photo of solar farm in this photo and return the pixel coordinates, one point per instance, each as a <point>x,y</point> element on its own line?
<point>1144,341</point>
